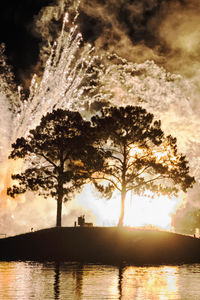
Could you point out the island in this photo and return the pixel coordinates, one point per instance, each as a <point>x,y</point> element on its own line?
<point>110,245</point>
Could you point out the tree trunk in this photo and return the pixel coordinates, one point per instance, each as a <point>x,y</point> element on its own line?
<point>121,219</point>
<point>59,210</point>
<point>123,190</point>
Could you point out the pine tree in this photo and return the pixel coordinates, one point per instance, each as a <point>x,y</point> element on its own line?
<point>59,157</point>
<point>137,155</point>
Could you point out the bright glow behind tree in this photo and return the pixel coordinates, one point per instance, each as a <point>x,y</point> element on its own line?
<point>74,78</point>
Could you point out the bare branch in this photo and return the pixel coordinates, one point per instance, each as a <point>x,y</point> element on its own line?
<point>107,179</point>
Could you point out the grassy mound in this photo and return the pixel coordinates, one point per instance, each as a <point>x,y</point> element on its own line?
<point>102,244</point>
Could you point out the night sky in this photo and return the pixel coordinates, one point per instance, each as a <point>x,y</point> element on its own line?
<point>17,32</point>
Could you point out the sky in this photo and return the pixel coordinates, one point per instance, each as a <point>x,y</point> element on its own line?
<point>163,30</point>
<point>158,39</point>
<point>17,32</point>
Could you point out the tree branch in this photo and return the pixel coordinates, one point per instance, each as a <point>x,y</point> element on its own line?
<point>149,181</point>
<point>117,158</point>
<point>114,166</point>
<point>45,157</point>
<point>108,179</point>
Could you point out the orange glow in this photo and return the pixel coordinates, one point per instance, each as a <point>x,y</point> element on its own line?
<point>6,169</point>
<point>148,210</point>
<point>163,154</point>
<point>136,151</point>
<point>159,283</point>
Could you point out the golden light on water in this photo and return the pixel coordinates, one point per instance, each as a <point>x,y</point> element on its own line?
<point>158,283</point>
<point>23,280</point>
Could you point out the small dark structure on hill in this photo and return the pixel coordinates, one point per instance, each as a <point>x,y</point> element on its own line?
<point>82,223</point>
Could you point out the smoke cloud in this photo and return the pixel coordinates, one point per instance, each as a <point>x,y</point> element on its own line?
<point>158,43</point>
<point>165,31</point>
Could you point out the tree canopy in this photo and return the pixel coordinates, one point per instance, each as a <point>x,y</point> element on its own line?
<point>124,150</point>
<point>59,157</point>
<point>138,156</point>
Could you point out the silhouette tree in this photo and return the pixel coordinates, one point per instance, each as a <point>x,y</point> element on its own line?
<point>137,155</point>
<point>58,155</point>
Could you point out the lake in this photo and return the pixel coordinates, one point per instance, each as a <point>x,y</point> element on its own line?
<point>46,281</point>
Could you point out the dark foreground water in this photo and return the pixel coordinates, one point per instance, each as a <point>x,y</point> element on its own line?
<point>46,281</point>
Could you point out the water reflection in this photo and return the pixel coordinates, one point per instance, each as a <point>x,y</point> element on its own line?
<point>57,281</point>
<point>120,279</point>
<point>153,283</point>
<point>79,281</point>
<point>75,281</point>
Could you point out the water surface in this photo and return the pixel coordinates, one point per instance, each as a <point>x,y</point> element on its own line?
<point>46,281</point>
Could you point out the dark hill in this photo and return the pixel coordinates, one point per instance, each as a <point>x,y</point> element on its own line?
<point>102,244</point>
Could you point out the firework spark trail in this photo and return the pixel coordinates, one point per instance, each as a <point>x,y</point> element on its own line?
<point>61,86</point>
<point>167,96</point>
<point>61,83</point>
<point>67,76</point>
